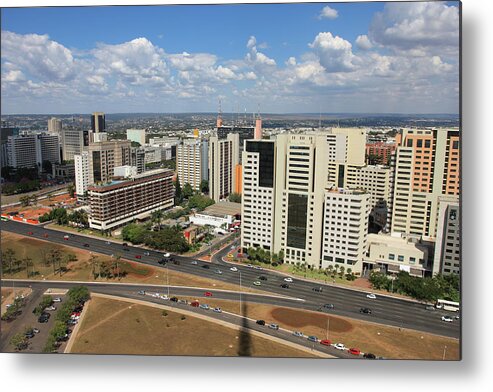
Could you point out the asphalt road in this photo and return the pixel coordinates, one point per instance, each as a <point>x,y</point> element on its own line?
<point>347,302</point>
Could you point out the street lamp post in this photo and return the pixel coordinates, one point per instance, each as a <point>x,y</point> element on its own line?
<point>240,290</point>
<point>327,331</point>
<point>167,277</point>
<point>444,352</point>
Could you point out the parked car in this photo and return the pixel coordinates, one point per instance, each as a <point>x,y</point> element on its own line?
<point>44,317</point>
<point>371,296</point>
<point>313,339</point>
<point>260,322</point>
<point>354,351</point>
<point>207,294</point>
<point>285,286</point>
<point>234,269</point>
<point>50,308</point>
<point>217,310</point>
<point>274,326</point>
<point>257,283</point>
<point>340,346</point>
<point>289,280</point>
<point>365,310</point>
<point>369,356</point>
<point>326,342</point>
<point>57,299</point>
<point>29,334</point>
<point>298,334</point>
<point>318,289</point>
<point>447,319</point>
<point>36,330</point>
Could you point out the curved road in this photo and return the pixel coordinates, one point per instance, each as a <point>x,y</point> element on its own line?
<point>347,302</point>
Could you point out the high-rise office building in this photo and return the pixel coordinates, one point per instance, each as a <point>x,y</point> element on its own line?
<point>379,153</point>
<point>98,122</point>
<point>82,176</point>
<point>345,228</point>
<point>74,141</point>
<point>426,167</point>
<point>258,197</point>
<point>447,248</point>
<point>55,125</point>
<point>223,158</point>
<point>137,135</point>
<point>5,131</point>
<point>190,155</point>
<point>137,158</point>
<point>32,150</point>
<point>105,156</point>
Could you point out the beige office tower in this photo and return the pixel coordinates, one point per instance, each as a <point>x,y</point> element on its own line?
<point>426,168</point>
<point>105,156</point>
<point>55,125</point>
<point>189,157</point>
<point>258,198</point>
<point>300,183</point>
<point>345,228</point>
<point>223,158</point>
<point>447,247</point>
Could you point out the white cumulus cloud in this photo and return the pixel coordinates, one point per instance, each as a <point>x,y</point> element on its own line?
<point>334,52</point>
<point>363,42</point>
<point>328,13</point>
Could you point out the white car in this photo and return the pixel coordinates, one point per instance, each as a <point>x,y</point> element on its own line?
<point>234,269</point>
<point>447,319</point>
<point>164,297</point>
<point>51,308</point>
<point>108,243</point>
<point>371,296</point>
<point>217,310</point>
<point>298,334</point>
<point>218,271</point>
<point>194,262</point>
<point>257,283</point>
<point>289,280</point>
<point>340,346</point>
<point>58,299</point>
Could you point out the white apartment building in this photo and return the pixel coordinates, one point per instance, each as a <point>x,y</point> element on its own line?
<point>223,158</point>
<point>258,197</point>
<point>73,142</point>
<point>447,248</point>
<point>345,228</point>
<point>427,167</point>
<point>190,155</point>
<point>137,135</point>
<point>82,175</point>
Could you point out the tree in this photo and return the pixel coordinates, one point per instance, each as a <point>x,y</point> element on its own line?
<point>116,266</point>
<point>178,192</point>
<point>378,280</point>
<point>71,190</point>
<point>34,199</point>
<point>341,271</point>
<point>9,257</point>
<point>19,341</point>
<point>204,186</point>
<point>25,201</point>
<point>79,294</point>
<point>156,217</point>
<point>55,257</point>
<point>234,197</point>
<point>28,262</point>
<point>187,191</point>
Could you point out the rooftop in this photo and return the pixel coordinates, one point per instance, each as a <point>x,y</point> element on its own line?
<point>223,208</point>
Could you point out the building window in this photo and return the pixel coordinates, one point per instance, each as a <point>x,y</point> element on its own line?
<point>391,256</point>
<point>400,258</point>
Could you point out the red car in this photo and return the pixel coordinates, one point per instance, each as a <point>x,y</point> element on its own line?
<point>195,304</point>
<point>76,314</point>
<point>208,294</point>
<point>325,342</point>
<point>138,256</point>
<point>30,232</point>
<point>355,351</point>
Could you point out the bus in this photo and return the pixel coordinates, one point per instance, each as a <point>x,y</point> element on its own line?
<point>451,306</point>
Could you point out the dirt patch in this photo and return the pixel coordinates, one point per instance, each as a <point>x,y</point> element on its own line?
<point>117,327</point>
<point>291,318</point>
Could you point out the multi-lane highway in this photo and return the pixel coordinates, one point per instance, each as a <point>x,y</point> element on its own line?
<point>347,302</point>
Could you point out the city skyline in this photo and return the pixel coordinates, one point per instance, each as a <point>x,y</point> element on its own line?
<point>296,58</point>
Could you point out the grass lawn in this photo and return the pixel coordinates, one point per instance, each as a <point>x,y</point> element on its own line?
<point>81,269</point>
<point>381,340</point>
<point>118,327</point>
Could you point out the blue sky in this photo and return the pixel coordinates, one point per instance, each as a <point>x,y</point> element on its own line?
<point>334,57</point>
